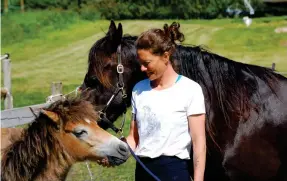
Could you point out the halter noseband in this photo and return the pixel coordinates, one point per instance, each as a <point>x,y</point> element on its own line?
<point>120,88</point>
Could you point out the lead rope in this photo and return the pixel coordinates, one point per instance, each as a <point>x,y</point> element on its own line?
<point>139,161</point>
<point>132,152</point>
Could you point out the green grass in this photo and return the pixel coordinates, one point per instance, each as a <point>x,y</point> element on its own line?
<point>61,55</point>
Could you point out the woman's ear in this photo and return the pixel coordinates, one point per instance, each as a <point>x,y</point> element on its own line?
<point>166,57</point>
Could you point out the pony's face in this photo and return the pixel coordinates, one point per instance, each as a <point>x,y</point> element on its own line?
<point>85,140</point>
<point>102,77</point>
<point>74,125</point>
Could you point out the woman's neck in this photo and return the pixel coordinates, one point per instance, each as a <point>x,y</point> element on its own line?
<point>168,78</point>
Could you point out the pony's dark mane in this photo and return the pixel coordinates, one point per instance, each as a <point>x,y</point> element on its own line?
<point>29,156</point>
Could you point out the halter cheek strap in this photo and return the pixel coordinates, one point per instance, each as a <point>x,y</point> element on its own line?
<point>120,88</point>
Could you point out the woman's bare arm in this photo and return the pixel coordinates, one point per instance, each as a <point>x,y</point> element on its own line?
<point>197,132</point>
<point>133,137</point>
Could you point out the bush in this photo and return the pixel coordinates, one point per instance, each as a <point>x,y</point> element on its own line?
<point>89,13</point>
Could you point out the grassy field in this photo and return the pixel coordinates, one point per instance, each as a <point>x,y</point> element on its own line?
<point>61,55</point>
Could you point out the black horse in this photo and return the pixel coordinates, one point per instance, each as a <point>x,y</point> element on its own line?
<point>246,105</point>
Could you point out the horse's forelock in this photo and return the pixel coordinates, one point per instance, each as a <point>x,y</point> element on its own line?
<point>105,50</point>
<point>74,109</point>
<point>99,53</point>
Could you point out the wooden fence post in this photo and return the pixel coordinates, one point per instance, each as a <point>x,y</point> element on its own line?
<point>6,68</point>
<point>56,88</point>
<point>22,6</point>
<point>56,92</point>
<point>6,8</point>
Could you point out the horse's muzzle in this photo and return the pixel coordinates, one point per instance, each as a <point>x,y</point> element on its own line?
<point>123,155</point>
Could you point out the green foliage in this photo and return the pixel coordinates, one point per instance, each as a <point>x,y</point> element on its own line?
<point>175,9</point>
<point>47,4</point>
<point>153,9</point>
<point>18,26</point>
<point>89,13</point>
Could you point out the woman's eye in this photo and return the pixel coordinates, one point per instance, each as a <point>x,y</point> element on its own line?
<point>80,133</point>
<point>145,64</point>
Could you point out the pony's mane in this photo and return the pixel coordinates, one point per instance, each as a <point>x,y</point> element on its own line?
<point>73,109</point>
<point>38,143</point>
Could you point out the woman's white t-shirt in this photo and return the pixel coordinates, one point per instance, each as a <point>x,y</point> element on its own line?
<point>161,117</point>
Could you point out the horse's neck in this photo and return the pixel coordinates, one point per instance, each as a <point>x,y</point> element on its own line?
<point>36,159</point>
<point>58,164</point>
<point>55,171</point>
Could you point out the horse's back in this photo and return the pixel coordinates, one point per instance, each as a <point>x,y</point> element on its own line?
<point>275,102</point>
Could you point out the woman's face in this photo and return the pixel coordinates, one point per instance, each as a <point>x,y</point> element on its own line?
<point>153,65</point>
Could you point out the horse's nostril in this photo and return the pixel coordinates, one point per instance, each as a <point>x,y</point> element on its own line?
<point>123,149</point>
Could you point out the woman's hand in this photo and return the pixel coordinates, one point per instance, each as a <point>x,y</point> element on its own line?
<point>104,162</point>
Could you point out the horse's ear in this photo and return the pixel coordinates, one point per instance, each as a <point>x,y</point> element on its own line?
<point>112,29</point>
<point>51,115</point>
<point>119,33</point>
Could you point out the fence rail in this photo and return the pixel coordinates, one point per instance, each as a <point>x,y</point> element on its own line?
<point>11,117</point>
<point>23,115</point>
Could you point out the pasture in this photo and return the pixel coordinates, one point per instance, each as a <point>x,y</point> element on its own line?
<point>61,55</point>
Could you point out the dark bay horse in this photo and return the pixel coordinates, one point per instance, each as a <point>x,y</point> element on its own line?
<point>63,134</point>
<point>246,105</point>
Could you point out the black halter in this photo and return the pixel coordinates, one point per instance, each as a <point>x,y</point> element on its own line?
<point>120,88</point>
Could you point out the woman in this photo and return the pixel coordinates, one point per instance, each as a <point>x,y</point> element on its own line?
<point>168,112</point>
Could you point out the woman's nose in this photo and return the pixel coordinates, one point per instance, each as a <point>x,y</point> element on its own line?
<point>143,68</point>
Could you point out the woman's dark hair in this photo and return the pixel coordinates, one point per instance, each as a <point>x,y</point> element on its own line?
<point>160,40</point>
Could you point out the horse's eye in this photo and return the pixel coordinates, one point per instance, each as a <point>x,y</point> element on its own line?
<point>80,133</point>
<point>94,78</point>
<point>91,81</point>
<point>107,66</point>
